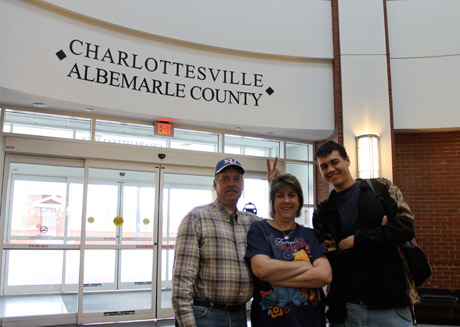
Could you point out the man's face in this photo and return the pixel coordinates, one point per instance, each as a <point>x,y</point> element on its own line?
<point>229,186</point>
<point>335,171</point>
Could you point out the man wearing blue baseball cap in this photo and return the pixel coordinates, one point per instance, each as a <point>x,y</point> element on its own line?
<point>211,280</point>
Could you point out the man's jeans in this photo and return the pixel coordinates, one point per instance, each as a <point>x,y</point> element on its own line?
<point>360,316</point>
<point>210,317</point>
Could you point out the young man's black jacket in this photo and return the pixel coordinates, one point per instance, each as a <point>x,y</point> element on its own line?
<point>371,273</point>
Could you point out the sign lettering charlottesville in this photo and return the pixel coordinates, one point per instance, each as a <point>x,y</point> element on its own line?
<point>157,76</point>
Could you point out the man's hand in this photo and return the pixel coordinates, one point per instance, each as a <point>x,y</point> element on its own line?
<point>347,243</point>
<point>384,220</point>
<point>272,172</point>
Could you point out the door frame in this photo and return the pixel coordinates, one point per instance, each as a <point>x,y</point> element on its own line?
<point>94,154</point>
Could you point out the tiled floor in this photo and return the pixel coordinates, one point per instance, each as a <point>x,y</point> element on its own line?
<point>166,323</point>
<point>56,304</point>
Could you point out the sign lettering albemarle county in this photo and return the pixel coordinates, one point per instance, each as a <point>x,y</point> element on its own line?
<point>157,76</point>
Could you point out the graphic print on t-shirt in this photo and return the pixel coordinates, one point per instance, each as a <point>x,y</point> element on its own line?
<point>277,301</point>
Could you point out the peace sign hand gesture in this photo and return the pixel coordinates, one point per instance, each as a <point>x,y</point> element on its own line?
<point>272,172</point>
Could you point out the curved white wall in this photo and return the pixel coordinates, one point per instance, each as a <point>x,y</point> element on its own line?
<point>289,45</point>
<point>187,84</point>
<point>425,63</point>
<point>300,28</point>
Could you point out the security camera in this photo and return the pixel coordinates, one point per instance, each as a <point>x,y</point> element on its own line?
<point>122,174</point>
<point>161,155</point>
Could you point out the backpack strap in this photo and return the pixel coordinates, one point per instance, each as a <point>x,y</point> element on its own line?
<point>376,189</point>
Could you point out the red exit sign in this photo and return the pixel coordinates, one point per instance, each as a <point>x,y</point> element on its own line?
<point>165,129</point>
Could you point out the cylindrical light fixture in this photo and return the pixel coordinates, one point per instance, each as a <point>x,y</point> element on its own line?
<point>368,151</point>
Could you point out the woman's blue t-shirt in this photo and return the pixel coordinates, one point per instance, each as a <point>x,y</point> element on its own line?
<point>278,305</point>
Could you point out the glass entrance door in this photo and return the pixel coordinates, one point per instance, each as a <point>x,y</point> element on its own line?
<point>120,241</point>
<point>120,211</point>
<point>79,239</point>
<point>88,241</point>
<point>182,191</point>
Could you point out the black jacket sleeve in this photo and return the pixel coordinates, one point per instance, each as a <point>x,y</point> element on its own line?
<point>400,223</point>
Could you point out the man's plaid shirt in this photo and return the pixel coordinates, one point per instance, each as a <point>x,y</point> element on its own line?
<point>209,259</point>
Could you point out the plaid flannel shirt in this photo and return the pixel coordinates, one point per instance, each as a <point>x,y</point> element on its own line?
<point>209,260</point>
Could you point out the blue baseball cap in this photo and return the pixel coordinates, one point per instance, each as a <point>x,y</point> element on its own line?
<point>227,162</point>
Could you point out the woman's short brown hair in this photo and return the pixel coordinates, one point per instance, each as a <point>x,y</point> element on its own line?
<point>280,183</point>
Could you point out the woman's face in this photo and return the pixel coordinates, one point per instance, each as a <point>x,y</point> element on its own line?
<point>286,204</point>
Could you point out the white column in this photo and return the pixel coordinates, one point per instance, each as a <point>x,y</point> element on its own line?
<point>366,106</point>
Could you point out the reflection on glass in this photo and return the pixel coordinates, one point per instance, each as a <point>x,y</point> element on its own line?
<point>131,290</point>
<point>138,214</point>
<point>299,151</point>
<point>99,268</point>
<point>33,123</point>
<point>120,207</point>
<point>256,192</point>
<point>137,267</point>
<point>137,134</point>
<point>304,173</point>
<point>44,206</point>
<point>252,146</point>
<point>306,217</point>
<point>120,211</point>
<point>101,211</point>
<point>189,191</point>
<point>37,208</point>
<point>41,271</point>
<point>22,261</point>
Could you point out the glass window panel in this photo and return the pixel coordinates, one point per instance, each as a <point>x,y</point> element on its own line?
<point>137,134</point>
<point>299,151</point>
<point>124,133</point>
<point>184,145</point>
<point>45,204</point>
<point>37,208</point>
<point>304,173</point>
<point>112,303</point>
<point>138,214</point>
<point>72,268</point>
<point>32,123</point>
<point>252,146</point>
<point>46,266</point>
<point>127,194</point>
<point>99,267</point>
<point>306,217</point>
<point>101,211</point>
<point>195,140</point>
<point>137,266</point>
<point>256,192</point>
<point>232,149</point>
<point>33,283</point>
<point>74,213</point>
<point>190,191</point>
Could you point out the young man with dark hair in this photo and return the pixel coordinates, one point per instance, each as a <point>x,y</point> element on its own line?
<point>370,285</point>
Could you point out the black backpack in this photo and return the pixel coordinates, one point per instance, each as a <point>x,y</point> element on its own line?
<point>417,261</point>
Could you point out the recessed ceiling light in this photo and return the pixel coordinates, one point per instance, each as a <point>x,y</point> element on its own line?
<point>39,105</point>
<point>89,109</point>
<point>238,128</point>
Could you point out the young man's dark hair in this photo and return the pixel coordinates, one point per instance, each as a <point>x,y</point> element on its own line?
<point>327,148</point>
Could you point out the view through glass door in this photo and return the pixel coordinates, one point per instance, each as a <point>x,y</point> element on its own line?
<point>96,239</point>
<point>182,191</point>
<point>120,241</point>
